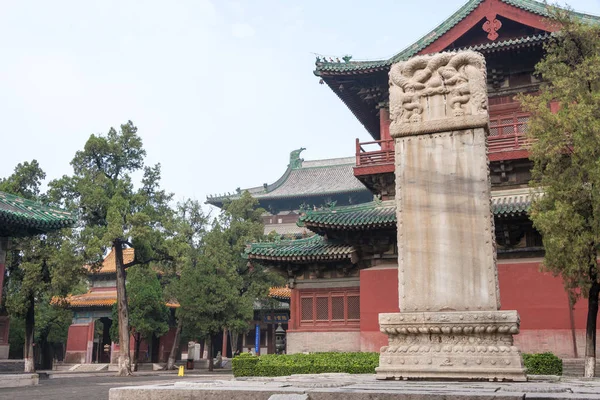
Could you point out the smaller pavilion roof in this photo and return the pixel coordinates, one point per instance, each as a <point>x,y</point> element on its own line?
<point>382,214</point>
<point>303,179</point>
<point>314,248</point>
<point>97,298</point>
<point>280,293</point>
<point>376,214</point>
<point>19,216</point>
<point>109,264</point>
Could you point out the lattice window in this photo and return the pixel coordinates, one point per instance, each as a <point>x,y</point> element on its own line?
<point>522,121</point>
<point>306,305</point>
<point>510,128</point>
<point>337,308</point>
<point>353,307</point>
<point>322,308</point>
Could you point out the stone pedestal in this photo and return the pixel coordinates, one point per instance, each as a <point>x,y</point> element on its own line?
<point>450,326</point>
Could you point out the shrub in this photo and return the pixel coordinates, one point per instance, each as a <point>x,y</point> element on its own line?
<point>244,364</point>
<point>315,363</point>
<point>543,364</point>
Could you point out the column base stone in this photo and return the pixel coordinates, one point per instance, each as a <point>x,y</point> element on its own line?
<point>465,345</point>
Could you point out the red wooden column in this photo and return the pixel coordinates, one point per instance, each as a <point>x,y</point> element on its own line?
<point>384,129</point>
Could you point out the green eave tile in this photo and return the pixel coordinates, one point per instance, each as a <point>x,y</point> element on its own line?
<point>17,214</point>
<point>308,249</point>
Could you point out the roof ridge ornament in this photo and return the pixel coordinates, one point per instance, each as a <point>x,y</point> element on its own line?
<point>492,25</point>
<point>295,160</point>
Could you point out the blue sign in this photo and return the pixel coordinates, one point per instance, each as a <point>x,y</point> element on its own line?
<point>257,340</point>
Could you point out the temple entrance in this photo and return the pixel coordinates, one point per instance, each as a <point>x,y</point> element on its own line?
<point>102,343</point>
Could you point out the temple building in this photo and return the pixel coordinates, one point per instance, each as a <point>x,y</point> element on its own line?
<point>347,273</point>
<point>21,217</point>
<point>303,184</point>
<point>89,339</point>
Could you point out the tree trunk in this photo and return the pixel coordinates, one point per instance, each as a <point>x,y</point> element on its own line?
<point>175,346</point>
<point>29,336</point>
<point>210,353</point>
<point>590,328</point>
<point>136,351</point>
<point>124,364</point>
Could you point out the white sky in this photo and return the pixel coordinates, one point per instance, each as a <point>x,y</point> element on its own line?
<point>221,91</point>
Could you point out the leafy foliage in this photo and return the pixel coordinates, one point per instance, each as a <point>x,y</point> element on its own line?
<point>543,364</point>
<point>316,363</point>
<point>565,151</point>
<point>148,314</point>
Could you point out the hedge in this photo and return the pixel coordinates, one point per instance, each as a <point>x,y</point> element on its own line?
<point>315,363</point>
<point>354,363</point>
<point>542,364</point>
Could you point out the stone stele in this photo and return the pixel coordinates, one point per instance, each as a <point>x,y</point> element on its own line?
<point>450,326</point>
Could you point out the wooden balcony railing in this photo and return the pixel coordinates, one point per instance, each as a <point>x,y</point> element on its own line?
<point>378,152</point>
<point>507,133</point>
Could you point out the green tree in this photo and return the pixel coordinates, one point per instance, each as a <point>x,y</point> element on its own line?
<point>38,267</point>
<point>565,152</point>
<point>148,314</point>
<point>113,214</point>
<point>242,224</point>
<point>185,244</point>
<point>209,291</point>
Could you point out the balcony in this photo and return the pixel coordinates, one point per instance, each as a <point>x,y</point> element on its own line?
<point>506,141</point>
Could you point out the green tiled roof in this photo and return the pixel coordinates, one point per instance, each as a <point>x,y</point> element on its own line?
<point>377,214</point>
<point>355,66</point>
<point>511,202</point>
<point>314,248</point>
<point>382,214</point>
<point>305,178</point>
<point>20,216</point>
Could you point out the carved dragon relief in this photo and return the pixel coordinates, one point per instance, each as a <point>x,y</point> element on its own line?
<point>430,88</point>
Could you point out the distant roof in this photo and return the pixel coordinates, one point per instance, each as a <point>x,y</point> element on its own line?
<point>97,299</point>
<point>109,264</point>
<point>19,216</point>
<point>304,178</point>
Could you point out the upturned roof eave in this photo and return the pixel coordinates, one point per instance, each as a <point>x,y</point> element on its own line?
<point>532,6</point>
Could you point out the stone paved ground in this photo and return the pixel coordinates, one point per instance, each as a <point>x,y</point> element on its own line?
<point>358,387</point>
<point>94,387</point>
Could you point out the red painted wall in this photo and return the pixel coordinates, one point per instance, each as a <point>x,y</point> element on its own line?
<point>378,294</point>
<point>78,339</point>
<point>539,298</point>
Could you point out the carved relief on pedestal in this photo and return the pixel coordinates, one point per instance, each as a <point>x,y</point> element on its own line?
<point>441,92</point>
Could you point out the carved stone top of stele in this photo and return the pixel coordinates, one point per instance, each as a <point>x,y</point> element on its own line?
<point>438,93</point>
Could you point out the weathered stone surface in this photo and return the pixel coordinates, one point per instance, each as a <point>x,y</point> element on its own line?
<point>449,326</point>
<point>18,380</point>
<point>359,387</point>
<point>446,247</point>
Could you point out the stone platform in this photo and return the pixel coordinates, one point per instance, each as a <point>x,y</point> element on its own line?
<point>359,387</point>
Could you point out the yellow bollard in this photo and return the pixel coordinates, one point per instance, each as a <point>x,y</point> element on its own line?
<point>180,373</point>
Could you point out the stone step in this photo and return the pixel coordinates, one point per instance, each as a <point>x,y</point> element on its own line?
<point>90,368</point>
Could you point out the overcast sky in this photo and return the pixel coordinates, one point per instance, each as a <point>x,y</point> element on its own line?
<point>221,91</point>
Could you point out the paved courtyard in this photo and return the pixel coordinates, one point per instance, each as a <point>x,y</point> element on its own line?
<point>95,387</point>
